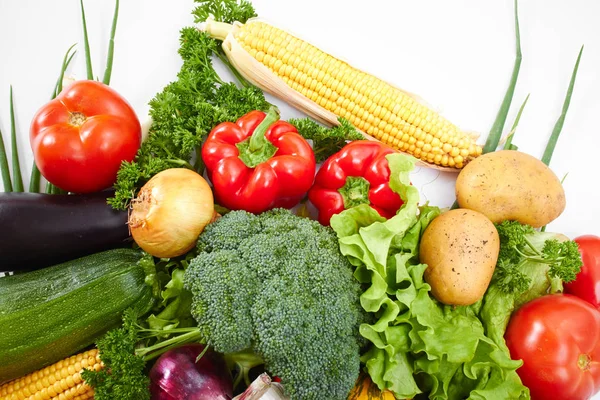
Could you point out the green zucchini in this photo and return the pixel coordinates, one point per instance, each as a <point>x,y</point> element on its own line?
<point>49,314</point>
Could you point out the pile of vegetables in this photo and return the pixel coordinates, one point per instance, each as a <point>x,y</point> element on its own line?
<point>195,268</point>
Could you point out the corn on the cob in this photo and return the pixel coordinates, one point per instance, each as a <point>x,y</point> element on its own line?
<point>326,87</point>
<point>59,381</point>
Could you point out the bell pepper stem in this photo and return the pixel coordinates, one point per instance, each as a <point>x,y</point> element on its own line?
<point>256,149</point>
<point>355,191</point>
<point>258,140</point>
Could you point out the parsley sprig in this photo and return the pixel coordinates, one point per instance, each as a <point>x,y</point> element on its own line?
<point>123,375</point>
<point>326,141</point>
<point>187,109</point>
<point>520,244</point>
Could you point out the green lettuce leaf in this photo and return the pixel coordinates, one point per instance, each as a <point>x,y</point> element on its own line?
<point>498,305</point>
<point>418,344</point>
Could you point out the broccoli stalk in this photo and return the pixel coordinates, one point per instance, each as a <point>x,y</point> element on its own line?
<point>243,362</point>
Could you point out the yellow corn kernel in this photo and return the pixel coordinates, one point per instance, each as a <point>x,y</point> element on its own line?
<point>373,106</point>
<point>61,380</point>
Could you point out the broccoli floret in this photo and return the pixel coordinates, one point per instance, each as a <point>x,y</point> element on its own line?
<point>222,288</point>
<point>301,313</point>
<point>231,230</point>
<point>304,339</point>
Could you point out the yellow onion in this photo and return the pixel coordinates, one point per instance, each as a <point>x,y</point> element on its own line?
<point>170,212</point>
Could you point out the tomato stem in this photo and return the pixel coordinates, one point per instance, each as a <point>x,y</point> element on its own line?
<point>584,362</point>
<point>77,119</point>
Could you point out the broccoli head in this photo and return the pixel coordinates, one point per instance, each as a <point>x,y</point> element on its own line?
<point>277,284</point>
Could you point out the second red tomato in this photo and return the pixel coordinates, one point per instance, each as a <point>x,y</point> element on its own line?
<point>587,284</point>
<point>558,339</point>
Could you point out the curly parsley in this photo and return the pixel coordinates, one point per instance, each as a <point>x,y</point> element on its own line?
<point>187,109</point>
<point>123,374</point>
<point>326,141</point>
<point>521,244</point>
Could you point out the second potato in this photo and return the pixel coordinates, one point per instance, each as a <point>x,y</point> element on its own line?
<point>460,248</point>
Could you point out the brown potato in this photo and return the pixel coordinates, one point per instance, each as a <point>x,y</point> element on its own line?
<point>511,185</point>
<point>460,248</point>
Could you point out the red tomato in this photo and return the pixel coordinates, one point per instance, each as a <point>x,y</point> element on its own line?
<point>558,338</point>
<point>587,284</point>
<point>80,138</point>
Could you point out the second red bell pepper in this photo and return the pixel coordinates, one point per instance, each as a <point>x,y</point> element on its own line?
<point>258,163</point>
<point>357,174</point>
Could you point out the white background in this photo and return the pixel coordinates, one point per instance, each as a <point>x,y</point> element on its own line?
<point>458,55</point>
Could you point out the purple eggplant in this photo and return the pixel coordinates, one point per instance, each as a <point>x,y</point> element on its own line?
<point>39,230</point>
<point>178,375</point>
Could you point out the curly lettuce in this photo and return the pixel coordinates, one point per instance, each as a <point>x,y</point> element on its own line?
<point>418,344</point>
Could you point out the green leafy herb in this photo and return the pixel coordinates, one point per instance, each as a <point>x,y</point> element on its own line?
<point>563,258</point>
<point>187,109</point>
<point>531,264</point>
<point>126,350</point>
<point>123,374</point>
<point>326,141</point>
<point>521,244</point>
<point>224,10</point>
<point>510,278</point>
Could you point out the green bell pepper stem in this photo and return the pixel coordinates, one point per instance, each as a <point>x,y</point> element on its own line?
<point>258,140</point>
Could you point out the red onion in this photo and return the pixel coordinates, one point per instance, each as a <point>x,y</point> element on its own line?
<point>177,376</point>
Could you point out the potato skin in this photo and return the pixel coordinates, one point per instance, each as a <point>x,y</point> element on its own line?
<point>460,248</point>
<point>511,185</point>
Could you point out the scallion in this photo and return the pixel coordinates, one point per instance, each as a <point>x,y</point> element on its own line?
<point>111,47</point>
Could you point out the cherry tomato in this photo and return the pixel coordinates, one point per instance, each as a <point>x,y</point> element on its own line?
<point>80,138</point>
<point>558,338</point>
<point>587,284</point>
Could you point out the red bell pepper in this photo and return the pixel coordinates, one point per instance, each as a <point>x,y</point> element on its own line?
<point>358,174</point>
<point>258,163</point>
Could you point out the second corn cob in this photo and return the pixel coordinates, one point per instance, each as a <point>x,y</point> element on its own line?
<point>60,381</point>
<point>327,88</point>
